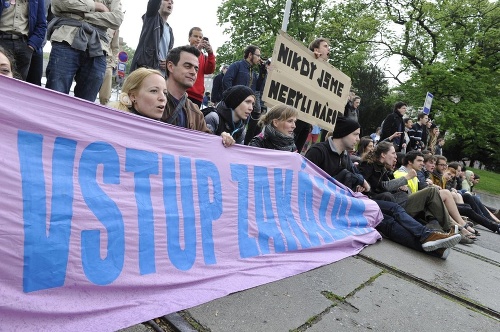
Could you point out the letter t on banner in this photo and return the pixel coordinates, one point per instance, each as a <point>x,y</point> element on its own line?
<point>286,15</point>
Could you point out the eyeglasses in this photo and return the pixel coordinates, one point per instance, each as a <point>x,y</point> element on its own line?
<point>257,55</point>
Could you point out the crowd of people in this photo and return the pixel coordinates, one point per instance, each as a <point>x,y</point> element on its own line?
<point>428,204</point>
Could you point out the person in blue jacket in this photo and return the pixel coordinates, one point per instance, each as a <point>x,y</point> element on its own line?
<point>22,40</point>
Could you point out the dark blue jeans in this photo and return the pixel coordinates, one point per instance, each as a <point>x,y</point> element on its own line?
<point>66,63</point>
<point>35,72</point>
<point>21,53</point>
<point>400,227</point>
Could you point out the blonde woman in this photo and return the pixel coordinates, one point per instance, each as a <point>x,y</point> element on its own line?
<point>277,129</point>
<point>144,93</point>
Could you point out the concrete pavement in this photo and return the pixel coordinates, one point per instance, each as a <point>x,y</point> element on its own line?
<point>387,287</point>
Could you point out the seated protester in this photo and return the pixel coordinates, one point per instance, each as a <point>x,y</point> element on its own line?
<point>365,146</point>
<point>328,156</point>
<point>425,205</point>
<point>473,201</point>
<point>424,173</point>
<point>232,112</point>
<point>437,174</point>
<point>7,63</point>
<point>182,68</point>
<point>414,160</point>
<point>467,182</point>
<point>144,93</point>
<point>277,129</point>
<point>332,156</point>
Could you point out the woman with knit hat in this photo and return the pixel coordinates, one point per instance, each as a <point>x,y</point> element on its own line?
<point>232,112</point>
<point>277,129</point>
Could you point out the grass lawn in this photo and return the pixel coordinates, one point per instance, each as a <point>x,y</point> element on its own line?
<point>489,182</point>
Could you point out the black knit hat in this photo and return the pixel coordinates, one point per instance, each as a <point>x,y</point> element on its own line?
<point>344,126</point>
<point>235,95</point>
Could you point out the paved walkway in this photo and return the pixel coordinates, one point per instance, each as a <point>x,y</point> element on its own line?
<point>387,287</point>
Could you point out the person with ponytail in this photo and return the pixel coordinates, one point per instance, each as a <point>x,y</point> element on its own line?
<point>277,129</point>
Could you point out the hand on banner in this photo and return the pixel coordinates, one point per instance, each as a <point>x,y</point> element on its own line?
<point>227,139</point>
<point>363,188</point>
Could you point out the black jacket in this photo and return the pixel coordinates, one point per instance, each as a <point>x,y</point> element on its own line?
<point>146,54</point>
<point>340,167</point>
<point>393,123</point>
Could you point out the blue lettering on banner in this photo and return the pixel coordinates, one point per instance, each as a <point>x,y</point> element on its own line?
<point>143,164</point>
<point>183,259</point>
<point>210,209</point>
<point>46,249</point>
<point>45,255</point>
<point>306,210</point>
<point>101,271</point>
<point>284,208</point>
<point>266,222</point>
<point>248,246</point>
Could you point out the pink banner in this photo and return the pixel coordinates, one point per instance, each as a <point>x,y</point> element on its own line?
<point>110,219</point>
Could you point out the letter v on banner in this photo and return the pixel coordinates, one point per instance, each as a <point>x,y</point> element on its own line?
<point>428,103</point>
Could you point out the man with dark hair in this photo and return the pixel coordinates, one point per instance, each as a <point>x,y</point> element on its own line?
<point>321,49</point>
<point>333,157</point>
<point>182,68</point>
<point>242,72</point>
<point>156,39</point>
<point>420,128</point>
<point>22,30</point>
<point>79,44</point>
<point>393,123</point>
<point>206,64</point>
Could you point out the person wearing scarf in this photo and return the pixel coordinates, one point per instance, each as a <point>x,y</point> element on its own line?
<point>277,129</point>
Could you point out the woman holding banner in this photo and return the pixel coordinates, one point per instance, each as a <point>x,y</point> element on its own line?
<point>144,93</point>
<point>277,129</point>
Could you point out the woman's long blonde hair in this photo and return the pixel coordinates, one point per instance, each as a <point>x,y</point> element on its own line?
<point>132,83</point>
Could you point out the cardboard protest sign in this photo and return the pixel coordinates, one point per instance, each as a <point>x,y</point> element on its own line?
<point>318,90</point>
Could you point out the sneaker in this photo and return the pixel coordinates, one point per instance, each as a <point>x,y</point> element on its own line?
<point>442,253</point>
<point>440,240</point>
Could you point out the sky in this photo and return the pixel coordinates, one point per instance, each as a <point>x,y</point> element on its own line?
<point>185,15</point>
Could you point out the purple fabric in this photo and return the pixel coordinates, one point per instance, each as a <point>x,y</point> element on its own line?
<point>110,219</point>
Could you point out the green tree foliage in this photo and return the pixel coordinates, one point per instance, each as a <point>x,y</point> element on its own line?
<point>258,23</point>
<point>450,48</point>
<point>369,81</point>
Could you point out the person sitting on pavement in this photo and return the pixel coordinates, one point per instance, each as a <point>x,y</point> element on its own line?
<point>277,129</point>
<point>414,160</point>
<point>232,112</point>
<point>144,93</point>
<point>425,205</point>
<point>332,156</point>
